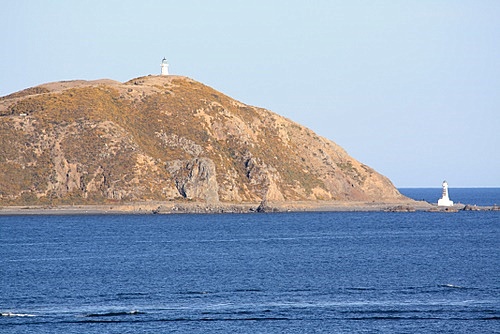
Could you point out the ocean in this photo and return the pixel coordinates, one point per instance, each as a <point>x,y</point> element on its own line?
<point>321,272</point>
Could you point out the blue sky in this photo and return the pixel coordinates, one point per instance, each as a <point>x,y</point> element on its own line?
<point>410,88</point>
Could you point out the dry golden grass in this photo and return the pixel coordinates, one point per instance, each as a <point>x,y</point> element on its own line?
<point>87,143</point>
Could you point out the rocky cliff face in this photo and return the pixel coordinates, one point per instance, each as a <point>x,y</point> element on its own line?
<point>166,138</point>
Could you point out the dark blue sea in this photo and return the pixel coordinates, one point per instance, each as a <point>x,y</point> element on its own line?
<point>340,272</point>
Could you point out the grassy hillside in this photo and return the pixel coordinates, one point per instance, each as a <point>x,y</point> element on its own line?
<point>165,138</point>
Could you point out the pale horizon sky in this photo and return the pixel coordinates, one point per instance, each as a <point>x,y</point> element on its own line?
<point>410,88</point>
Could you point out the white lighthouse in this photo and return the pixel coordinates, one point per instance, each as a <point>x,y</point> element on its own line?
<point>445,200</point>
<point>164,67</point>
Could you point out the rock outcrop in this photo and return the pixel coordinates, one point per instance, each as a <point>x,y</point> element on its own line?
<point>195,179</point>
<point>163,139</point>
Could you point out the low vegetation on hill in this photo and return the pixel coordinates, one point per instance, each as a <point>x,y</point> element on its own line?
<point>164,138</point>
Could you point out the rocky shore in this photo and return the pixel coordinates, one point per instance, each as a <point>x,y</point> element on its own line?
<point>207,208</point>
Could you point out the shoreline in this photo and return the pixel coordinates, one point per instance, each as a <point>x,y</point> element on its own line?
<point>212,208</point>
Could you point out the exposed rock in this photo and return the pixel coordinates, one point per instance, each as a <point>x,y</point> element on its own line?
<point>443,209</point>
<point>401,208</point>
<point>266,207</point>
<point>195,179</point>
<point>469,207</point>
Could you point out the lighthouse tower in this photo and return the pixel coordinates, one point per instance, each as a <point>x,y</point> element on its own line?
<point>164,67</point>
<point>445,200</point>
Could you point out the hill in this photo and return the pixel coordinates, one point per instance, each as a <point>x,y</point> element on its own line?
<point>166,138</point>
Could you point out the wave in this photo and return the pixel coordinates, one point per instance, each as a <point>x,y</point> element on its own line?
<point>11,314</point>
<point>451,286</point>
<point>194,293</point>
<point>424,318</point>
<point>188,319</point>
<point>361,289</point>
<point>248,290</point>
<point>113,314</point>
<point>241,319</point>
<point>235,312</point>
<point>131,295</point>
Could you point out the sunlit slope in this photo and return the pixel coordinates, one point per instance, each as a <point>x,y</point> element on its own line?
<point>166,138</point>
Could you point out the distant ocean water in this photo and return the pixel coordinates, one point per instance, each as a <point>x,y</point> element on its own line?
<point>319,272</point>
<point>473,196</point>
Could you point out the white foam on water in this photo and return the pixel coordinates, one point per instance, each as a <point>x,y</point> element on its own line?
<point>11,314</point>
